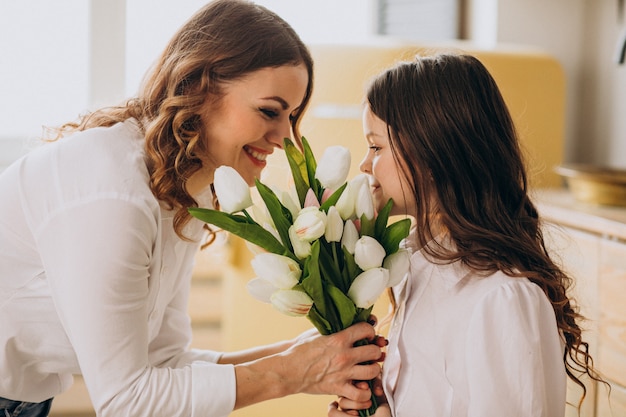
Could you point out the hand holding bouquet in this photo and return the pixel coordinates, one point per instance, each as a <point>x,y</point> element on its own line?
<point>327,254</point>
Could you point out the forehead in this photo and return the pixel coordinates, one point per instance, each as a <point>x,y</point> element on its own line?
<point>287,82</point>
<point>373,127</point>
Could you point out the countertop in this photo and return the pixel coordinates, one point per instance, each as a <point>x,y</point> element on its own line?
<point>558,205</point>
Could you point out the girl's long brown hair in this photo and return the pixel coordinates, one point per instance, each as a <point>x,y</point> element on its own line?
<point>452,133</point>
<point>222,42</point>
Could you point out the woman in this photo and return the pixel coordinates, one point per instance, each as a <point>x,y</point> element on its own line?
<point>97,246</point>
<point>483,325</point>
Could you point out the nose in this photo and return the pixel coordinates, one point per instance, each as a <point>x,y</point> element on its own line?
<point>278,135</point>
<point>365,166</point>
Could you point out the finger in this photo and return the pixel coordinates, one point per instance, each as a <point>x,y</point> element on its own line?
<point>365,372</point>
<point>377,387</point>
<point>358,332</point>
<point>366,353</point>
<point>380,341</point>
<point>357,395</point>
<point>348,404</point>
<point>334,411</point>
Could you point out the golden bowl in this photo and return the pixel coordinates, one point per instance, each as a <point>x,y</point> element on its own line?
<point>593,184</point>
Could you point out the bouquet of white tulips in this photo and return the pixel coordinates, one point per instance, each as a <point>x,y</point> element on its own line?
<point>327,254</point>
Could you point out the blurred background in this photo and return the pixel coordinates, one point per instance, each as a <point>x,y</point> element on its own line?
<point>559,64</point>
<point>59,58</point>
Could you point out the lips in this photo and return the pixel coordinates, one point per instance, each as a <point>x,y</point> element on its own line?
<point>257,154</point>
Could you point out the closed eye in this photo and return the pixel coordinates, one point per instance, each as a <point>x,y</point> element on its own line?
<point>272,114</point>
<point>375,148</point>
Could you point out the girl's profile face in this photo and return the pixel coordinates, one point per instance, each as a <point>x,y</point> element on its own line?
<point>252,119</point>
<point>386,178</point>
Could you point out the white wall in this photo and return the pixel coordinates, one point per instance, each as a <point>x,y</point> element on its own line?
<point>582,35</point>
<point>46,68</point>
<point>61,58</point>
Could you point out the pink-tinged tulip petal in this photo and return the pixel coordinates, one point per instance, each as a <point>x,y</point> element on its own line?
<point>368,286</point>
<point>261,289</point>
<point>333,167</point>
<point>310,200</point>
<point>301,248</point>
<point>398,265</point>
<point>326,194</point>
<point>292,302</point>
<point>368,253</point>
<point>349,237</point>
<point>310,224</point>
<point>232,191</point>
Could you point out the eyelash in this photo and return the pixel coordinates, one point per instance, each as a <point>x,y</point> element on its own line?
<point>375,148</point>
<point>269,113</point>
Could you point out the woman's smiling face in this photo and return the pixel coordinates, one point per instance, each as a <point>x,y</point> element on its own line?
<point>251,119</point>
<point>386,178</point>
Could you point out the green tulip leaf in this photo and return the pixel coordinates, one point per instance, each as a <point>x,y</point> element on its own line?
<point>298,168</point>
<point>329,263</point>
<point>367,226</point>
<point>394,234</point>
<point>312,280</point>
<point>350,270</point>
<point>281,216</point>
<point>363,314</point>
<point>334,197</point>
<point>343,304</point>
<point>382,219</point>
<point>243,227</point>
<point>311,166</point>
<point>320,323</point>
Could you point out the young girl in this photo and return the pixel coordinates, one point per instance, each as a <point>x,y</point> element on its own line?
<point>97,245</point>
<point>483,326</point>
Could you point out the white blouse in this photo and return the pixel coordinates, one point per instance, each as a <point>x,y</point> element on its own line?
<point>94,281</point>
<point>471,346</point>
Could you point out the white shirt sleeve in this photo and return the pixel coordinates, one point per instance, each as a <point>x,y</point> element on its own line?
<point>514,356</point>
<point>99,273</point>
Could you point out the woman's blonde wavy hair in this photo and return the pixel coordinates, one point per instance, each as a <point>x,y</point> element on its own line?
<point>222,42</point>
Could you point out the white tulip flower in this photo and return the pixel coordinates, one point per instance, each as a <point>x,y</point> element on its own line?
<point>260,214</point>
<point>334,225</point>
<point>291,302</point>
<point>350,236</point>
<point>261,289</point>
<point>301,248</point>
<point>232,191</point>
<point>368,286</point>
<point>310,224</point>
<point>398,265</point>
<point>368,253</point>
<point>282,272</point>
<point>364,205</point>
<point>347,202</point>
<point>288,201</point>
<point>332,169</point>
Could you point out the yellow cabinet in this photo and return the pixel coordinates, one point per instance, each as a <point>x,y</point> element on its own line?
<point>591,243</point>
<point>578,253</point>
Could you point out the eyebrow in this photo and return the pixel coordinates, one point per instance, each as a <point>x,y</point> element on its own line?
<point>280,101</point>
<point>370,135</point>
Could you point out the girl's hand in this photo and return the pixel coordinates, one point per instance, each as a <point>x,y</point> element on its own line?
<point>351,407</point>
<point>335,411</point>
